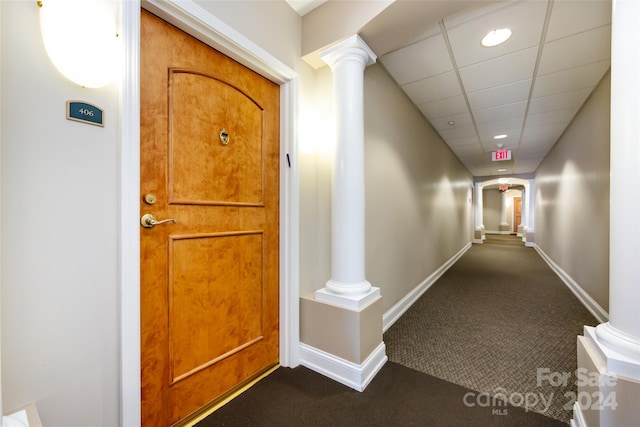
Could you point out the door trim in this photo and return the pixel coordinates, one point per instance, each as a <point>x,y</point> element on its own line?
<point>200,24</point>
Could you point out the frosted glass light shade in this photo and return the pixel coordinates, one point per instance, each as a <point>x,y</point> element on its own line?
<point>81,39</point>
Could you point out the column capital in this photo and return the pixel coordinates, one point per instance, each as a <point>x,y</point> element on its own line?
<point>351,47</point>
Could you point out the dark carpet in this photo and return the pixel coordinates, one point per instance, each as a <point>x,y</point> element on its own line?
<point>397,397</point>
<point>499,321</point>
<point>494,324</point>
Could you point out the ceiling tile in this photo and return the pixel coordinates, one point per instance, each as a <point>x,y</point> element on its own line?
<point>553,130</point>
<point>527,166</point>
<point>524,18</point>
<point>559,101</point>
<point>505,94</point>
<point>490,144</point>
<point>474,13</point>
<point>509,127</point>
<point>460,120</point>
<point>501,112</point>
<point>564,22</point>
<point>458,132</point>
<point>503,70</point>
<point>532,151</point>
<point>569,80</point>
<point>428,58</point>
<point>580,49</point>
<point>463,141</point>
<point>539,140</point>
<point>552,117</point>
<point>433,88</point>
<point>467,150</point>
<point>444,107</point>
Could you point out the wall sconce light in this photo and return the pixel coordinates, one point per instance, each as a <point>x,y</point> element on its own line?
<point>81,39</point>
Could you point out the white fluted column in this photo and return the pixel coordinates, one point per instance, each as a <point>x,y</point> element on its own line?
<point>504,225</point>
<point>529,231</point>
<point>614,346</point>
<point>348,285</point>
<point>523,213</point>
<point>478,236</point>
<point>624,245</point>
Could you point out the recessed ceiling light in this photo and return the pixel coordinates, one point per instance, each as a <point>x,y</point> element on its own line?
<point>496,37</point>
<point>500,136</point>
<point>451,122</point>
<point>502,170</point>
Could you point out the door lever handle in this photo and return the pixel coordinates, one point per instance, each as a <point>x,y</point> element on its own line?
<point>150,221</point>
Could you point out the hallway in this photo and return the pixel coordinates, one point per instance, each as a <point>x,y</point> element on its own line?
<point>498,321</point>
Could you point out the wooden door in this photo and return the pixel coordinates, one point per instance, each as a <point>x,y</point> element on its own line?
<point>209,282</point>
<point>517,213</point>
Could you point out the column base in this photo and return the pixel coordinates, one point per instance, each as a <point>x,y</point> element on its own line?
<point>608,382</point>
<point>477,235</point>
<point>340,343</point>
<point>504,229</point>
<point>529,238</point>
<point>353,301</point>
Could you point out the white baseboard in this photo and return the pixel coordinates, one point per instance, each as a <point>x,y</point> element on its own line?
<point>348,373</point>
<point>395,312</point>
<point>594,308</point>
<point>578,419</point>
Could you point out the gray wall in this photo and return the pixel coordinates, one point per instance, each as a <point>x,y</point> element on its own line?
<point>572,198</point>
<point>491,202</point>
<point>418,194</point>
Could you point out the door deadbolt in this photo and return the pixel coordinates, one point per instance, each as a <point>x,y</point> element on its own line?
<point>224,137</point>
<point>150,198</point>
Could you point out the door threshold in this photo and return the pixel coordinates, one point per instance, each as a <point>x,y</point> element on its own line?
<point>214,405</point>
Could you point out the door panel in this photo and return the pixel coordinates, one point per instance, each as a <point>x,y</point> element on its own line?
<point>195,126</point>
<point>209,282</point>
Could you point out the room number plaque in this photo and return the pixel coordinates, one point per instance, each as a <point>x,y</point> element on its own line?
<point>84,112</point>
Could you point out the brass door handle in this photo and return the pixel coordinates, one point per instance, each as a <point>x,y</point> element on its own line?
<point>150,221</point>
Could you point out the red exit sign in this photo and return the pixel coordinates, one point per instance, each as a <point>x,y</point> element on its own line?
<point>498,156</point>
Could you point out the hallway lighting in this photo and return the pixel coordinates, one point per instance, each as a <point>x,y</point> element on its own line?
<point>496,37</point>
<point>81,39</point>
<point>502,136</point>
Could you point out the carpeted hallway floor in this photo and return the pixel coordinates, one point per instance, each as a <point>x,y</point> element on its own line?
<point>499,321</point>
<point>491,329</point>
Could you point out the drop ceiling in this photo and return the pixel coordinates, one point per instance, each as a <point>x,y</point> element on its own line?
<point>528,88</point>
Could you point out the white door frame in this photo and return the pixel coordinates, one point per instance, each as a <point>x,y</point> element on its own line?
<point>199,23</point>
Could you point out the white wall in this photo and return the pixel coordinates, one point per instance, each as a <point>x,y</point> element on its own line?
<point>59,237</point>
<point>60,208</point>
<point>572,198</point>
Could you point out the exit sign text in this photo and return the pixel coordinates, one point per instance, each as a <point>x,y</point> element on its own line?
<point>498,156</point>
